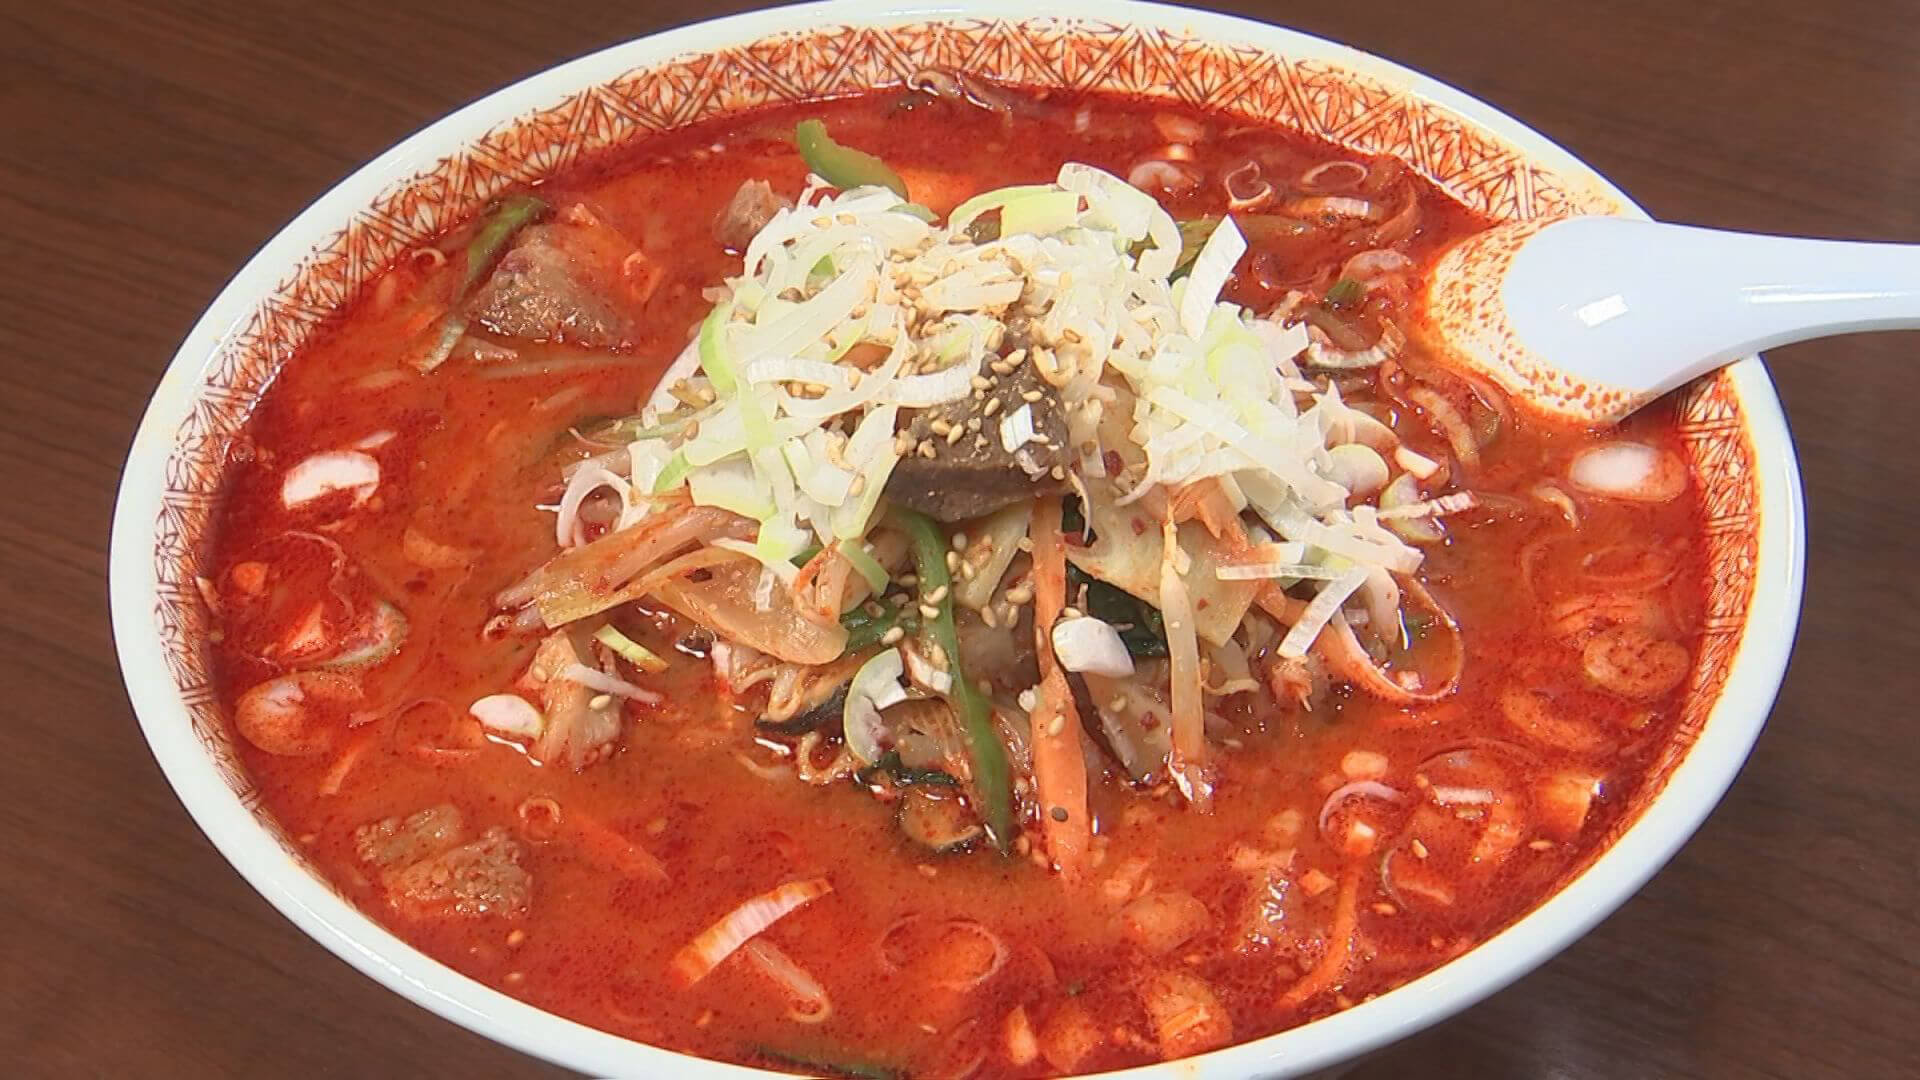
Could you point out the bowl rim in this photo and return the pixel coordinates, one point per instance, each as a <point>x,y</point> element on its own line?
<point>1663,825</point>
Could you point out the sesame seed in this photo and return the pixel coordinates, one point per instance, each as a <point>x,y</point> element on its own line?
<point>892,636</point>
<point>1384,908</point>
<point>955,435</point>
<point>1001,367</point>
<point>993,406</point>
<point>908,580</point>
<point>929,611</point>
<point>953,562</point>
<point>1020,594</point>
<point>980,383</point>
<point>1057,725</point>
<point>939,427</point>
<point>599,701</point>
<point>515,938</point>
<point>937,595</point>
<point>1541,845</point>
<point>1014,359</point>
<point>1032,395</point>
<point>1419,849</point>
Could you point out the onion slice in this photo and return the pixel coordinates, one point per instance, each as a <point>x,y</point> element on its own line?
<point>323,474</point>
<point>697,958</point>
<point>1372,789</point>
<point>810,1003</point>
<point>508,714</point>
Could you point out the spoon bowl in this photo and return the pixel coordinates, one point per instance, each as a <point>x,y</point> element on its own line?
<point>1589,318</point>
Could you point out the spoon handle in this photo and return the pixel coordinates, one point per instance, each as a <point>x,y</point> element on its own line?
<point>1698,297</point>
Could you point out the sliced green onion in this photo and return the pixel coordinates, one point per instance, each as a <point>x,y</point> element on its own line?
<point>1193,237</point>
<point>964,214</point>
<point>713,351</point>
<point>843,166</point>
<point>1041,213</point>
<point>630,650</point>
<point>672,474</point>
<point>490,242</point>
<point>991,773</point>
<point>1405,491</point>
<point>864,564</point>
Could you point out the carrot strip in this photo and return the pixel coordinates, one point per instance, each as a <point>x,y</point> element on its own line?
<point>1059,769</point>
<point>697,958</point>
<point>1346,919</point>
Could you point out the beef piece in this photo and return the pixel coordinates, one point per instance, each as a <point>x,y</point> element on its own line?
<point>557,284</point>
<point>480,878</point>
<point>396,842</point>
<point>751,207</point>
<point>976,474</point>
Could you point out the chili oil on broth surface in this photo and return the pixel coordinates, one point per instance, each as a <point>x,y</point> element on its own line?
<point>1246,902</point>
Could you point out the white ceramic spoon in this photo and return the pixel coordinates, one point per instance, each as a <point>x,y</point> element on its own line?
<point>1592,317</point>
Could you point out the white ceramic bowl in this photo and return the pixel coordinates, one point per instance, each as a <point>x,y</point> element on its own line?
<point>1739,445</point>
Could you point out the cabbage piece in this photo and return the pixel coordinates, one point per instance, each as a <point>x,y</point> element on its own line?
<point>1129,559</point>
<point>724,603</point>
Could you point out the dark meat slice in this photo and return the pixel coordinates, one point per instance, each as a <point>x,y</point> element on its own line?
<point>395,842</point>
<point>557,284</point>
<point>976,474</point>
<point>751,207</point>
<point>481,878</point>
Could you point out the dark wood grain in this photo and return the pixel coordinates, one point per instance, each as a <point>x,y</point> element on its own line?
<point>148,149</point>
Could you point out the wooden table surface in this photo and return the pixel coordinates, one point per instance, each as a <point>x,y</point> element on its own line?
<point>147,149</point>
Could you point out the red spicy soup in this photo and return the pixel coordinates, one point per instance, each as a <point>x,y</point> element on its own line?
<point>979,776</point>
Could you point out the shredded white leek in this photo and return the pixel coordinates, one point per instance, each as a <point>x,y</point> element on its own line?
<point>848,311</point>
